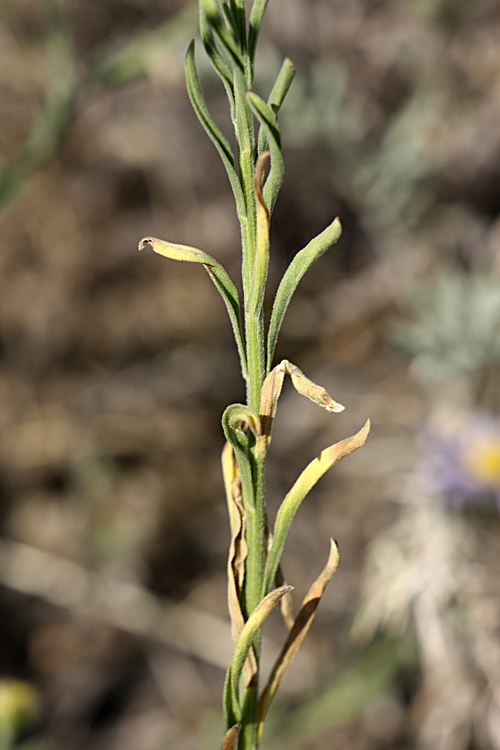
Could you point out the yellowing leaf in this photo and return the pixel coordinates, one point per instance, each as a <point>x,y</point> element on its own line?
<point>311,474</point>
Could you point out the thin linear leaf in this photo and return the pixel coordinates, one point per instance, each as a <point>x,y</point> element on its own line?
<point>200,107</point>
<point>238,8</point>
<point>268,121</point>
<point>271,391</point>
<point>293,274</point>
<point>230,738</point>
<point>218,63</point>
<point>223,34</point>
<point>297,634</point>
<point>246,639</point>
<point>277,96</point>
<point>304,484</point>
<point>218,275</point>
<point>256,16</point>
<point>261,265</point>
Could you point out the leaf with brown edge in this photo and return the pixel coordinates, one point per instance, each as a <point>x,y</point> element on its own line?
<point>311,474</point>
<point>296,636</point>
<point>230,738</point>
<point>238,551</point>
<point>271,391</point>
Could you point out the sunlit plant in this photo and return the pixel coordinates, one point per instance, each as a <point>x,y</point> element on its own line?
<point>256,582</point>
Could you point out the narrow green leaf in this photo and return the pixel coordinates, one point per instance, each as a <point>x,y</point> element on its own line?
<point>277,96</point>
<point>218,63</point>
<point>293,274</point>
<point>218,275</point>
<point>238,8</point>
<point>247,637</point>
<point>223,34</point>
<point>268,121</point>
<point>256,16</point>
<point>304,484</point>
<point>212,130</point>
<point>261,266</point>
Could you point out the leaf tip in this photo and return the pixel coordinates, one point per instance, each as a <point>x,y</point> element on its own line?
<point>229,741</point>
<point>145,242</point>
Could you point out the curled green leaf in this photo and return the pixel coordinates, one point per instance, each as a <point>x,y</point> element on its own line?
<point>218,275</point>
<point>234,417</point>
<point>304,484</point>
<point>293,274</point>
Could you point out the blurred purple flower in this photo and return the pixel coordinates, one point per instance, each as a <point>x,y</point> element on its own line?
<point>462,459</point>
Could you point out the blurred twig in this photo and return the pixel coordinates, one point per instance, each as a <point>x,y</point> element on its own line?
<point>123,605</point>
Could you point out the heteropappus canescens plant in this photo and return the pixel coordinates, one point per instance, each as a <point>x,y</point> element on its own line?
<point>256,582</point>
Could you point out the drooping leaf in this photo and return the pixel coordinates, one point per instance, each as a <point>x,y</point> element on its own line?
<point>218,275</point>
<point>271,391</point>
<point>293,274</point>
<point>268,121</point>
<point>296,636</point>
<point>311,474</point>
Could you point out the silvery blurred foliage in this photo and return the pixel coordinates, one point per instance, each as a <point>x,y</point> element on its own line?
<point>431,571</point>
<point>454,326</point>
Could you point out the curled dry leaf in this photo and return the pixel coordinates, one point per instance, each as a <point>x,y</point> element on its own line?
<point>230,738</point>
<point>238,551</point>
<point>271,391</point>
<point>300,627</point>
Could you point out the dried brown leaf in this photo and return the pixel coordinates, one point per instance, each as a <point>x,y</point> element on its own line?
<point>301,626</point>
<point>271,391</point>
<point>230,738</point>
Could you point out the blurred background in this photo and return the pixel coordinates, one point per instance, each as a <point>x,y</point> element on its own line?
<point>115,368</point>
